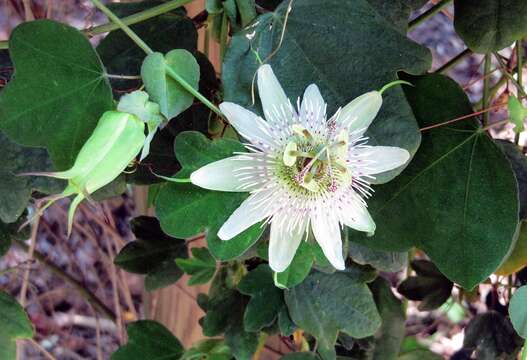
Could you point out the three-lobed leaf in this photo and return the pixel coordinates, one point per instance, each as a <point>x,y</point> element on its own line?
<point>322,306</point>
<point>447,199</point>
<point>59,91</point>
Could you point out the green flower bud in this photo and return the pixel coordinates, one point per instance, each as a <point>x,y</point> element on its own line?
<point>115,142</point>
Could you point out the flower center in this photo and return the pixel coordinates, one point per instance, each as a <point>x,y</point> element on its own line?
<point>311,165</point>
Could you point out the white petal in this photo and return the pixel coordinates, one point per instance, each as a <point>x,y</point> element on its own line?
<point>253,210</point>
<point>327,233</point>
<point>224,175</point>
<point>360,112</point>
<point>284,241</point>
<point>248,124</point>
<point>378,159</point>
<point>313,108</point>
<point>272,95</point>
<point>356,215</point>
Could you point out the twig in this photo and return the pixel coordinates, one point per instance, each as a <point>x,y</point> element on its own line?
<point>41,349</point>
<point>454,61</point>
<point>486,84</point>
<point>505,72</point>
<point>428,14</point>
<point>129,20</point>
<point>25,281</point>
<point>28,13</point>
<point>81,288</point>
<point>462,117</point>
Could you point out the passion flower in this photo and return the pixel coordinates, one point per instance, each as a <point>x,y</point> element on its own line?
<point>304,172</point>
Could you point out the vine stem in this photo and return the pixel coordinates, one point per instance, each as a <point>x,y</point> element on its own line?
<point>454,61</point>
<point>524,352</point>
<point>129,20</point>
<point>486,85</point>
<point>132,35</point>
<point>428,14</point>
<point>505,72</point>
<point>83,291</point>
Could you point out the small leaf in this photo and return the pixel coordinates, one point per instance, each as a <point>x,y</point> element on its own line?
<point>490,25</point>
<point>517,113</point>
<point>266,299</point>
<point>153,253</point>
<point>518,311</point>
<point>15,325</point>
<point>172,98</point>
<point>163,33</point>
<point>322,305</point>
<point>208,349</point>
<point>429,286</point>
<point>201,266</point>
<point>298,270</point>
<point>150,340</point>
<point>59,91</point>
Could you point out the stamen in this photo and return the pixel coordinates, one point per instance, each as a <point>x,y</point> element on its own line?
<point>301,131</point>
<point>290,156</point>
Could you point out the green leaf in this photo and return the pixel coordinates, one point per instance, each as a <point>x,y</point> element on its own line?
<point>300,356</point>
<point>10,232</point>
<point>208,349</point>
<point>163,33</point>
<point>299,268</point>
<point>266,299</point>
<point>389,337</point>
<point>491,336</point>
<point>450,193</point>
<point>420,354</point>
<point>15,191</point>
<point>518,311</point>
<point>203,210</point>
<point>172,98</point>
<point>390,261</point>
<point>59,91</point>
<point>490,25</point>
<point>161,159</point>
<point>517,113</point>
<point>221,318</point>
<point>346,66</point>
<point>322,305</point>
<point>15,325</point>
<point>201,266</point>
<point>153,253</point>
<point>429,286</point>
<point>150,340</point>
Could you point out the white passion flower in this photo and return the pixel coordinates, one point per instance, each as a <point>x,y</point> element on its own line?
<point>303,171</point>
